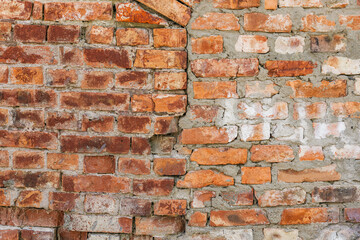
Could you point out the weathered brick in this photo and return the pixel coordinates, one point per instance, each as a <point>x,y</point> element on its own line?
<point>26,159</point>
<point>335,194</point>
<point>153,187</point>
<point>62,201</point>
<point>346,109</point>
<point>238,198</point>
<point>202,198</point>
<point>72,56</point>
<point>316,110</point>
<point>27,75</point>
<point>4,74</point>
<point>4,117</point>
<point>259,22</point>
<point>301,3</point>
<point>28,198</point>
<point>287,196</point>
<point>132,36</point>
<point>309,215</point>
<point>28,118</point>
<point>107,58</point>
<point>214,90</point>
<point>140,146</point>
<point>326,173</point>
<point>352,215</point>
<point>92,183</point>
<point>256,110</point>
<point>271,4</point>
<point>338,3</point>
<point>135,207</point>
<point>4,158</point>
<point>256,132</point>
<point>131,12</point>
<point>208,135</point>
<point>204,178</point>
<point>170,80</point>
<point>17,10</point>
<point>96,144</point>
<point>172,9</point>
<point>100,35</point>
<point>5,31</point>
<point>219,156</point>
<point>198,219</point>
<point>171,207</point>
<point>132,79</point>
<point>96,80</point>
<point>62,77</point>
<point>159,226</point>
<point>176,38</point>
<point>28,234</point>
<point>203,113</point>
<point>98,123</point>
<point>63,34</point>
<point>100,204</point>
<point>134,166</point>
<point>252,44</point>
<point>255,175</point>
<point>142,103</point>
<point>168,103</point>
<point>99,164</point>
<point>242,217</point>
<point>37,12</point>
<point>160,59</point>
<point>326,89</point>
<point>72,235</point>
<point>310,153</point>
<point>317,23</point>
<point>289,45</point>
<point>5,198</point>
<point>95,101</point>
<point>20,139</point>
<point>341,65</point>
<point>29,33</point>
<point>190,3</point>
<point>347,151</point>
<point>80,11</point>
<point>169,166</point>
<point>237,4</point>
<point>207,45</point>
<point>21,179</point>
<point>165,125</point>
<point>134,124</point>
<point>28,54</point>
<point>260,89</point>
<point>271,153</point>
<point>289,68</point>
<point>218,21</point>
<point>9,234</point>
<point>271,233</point>
<point>325,130</point>
<point>225,67</point>
<point>61,120</point>
<point>351,22</point>
<point>327,43</point>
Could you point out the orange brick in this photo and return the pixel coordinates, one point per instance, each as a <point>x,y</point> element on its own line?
<point>289,68</point>
<point>169,166</point>
<point>176,38</point>
<point>259,22</point>
<point>160,59</point>
<point>351,22</point>
<point>255,175</point>
<point>311,153</point>
<point>207,45</point>
<point>327,89</point>
<point>198,219</point>
<point>240,217</point>
<point>97,80</point>
<point>27,75</point>
<point>309,215</point>
<point>327,173</point>
<point>219,156</point>
<point>132,37</point>
<point>61,161</point>
<point>214,90</point>
<point>317,23</point>
<point>218,21</point>
<point>29,198</point>
<point>171,207</point>
<point>100,35</point>
<point>204,178</point>
<point>237,4</point>
<point>134,166</point>
<point>208,135</point>
<point>271,153</point>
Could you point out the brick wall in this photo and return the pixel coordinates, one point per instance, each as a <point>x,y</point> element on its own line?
<point>189,119</point>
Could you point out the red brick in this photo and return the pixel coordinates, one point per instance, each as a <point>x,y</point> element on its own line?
<point>153,187</point>
<point>165,125</point>
<point>289,68</point>
<point>99,164</point>
<point>62,161</point>
<point>252,44</point>
<point>80,11</point>
<point>279,110</point>
<point>62,201</point>
<point>132,37</point>
<point>214,90</point>
<point>27,75</point>
<point>94,101</point>
<point>26,159</point>
<point>159,225</point>
<point>96,144</point>
<point>202,199</point>
<point>28,54</point>
<point>28,139</point>
<point>97,80</point>
<point>203,113</point>
<point>301,3</point>
<point>100,204</point>
<point>240,217</point>
<point>218,21</point>
<point>100,35</point>
<point>176,38</point>
<point>134,166</point>
<point>131,12</point>
<point>63,34</point>
<point>208,135</point>
<point>219,156</point>
<point>309,215</point>
<point>204,178</point>
<point>315,110</point>
<point>169,166</point>
<point>326,89</point>
<point>4,117</point>
<point>134,124</point>
<point>351,22</point>
<point>352,215</point>
<point>107,58</point>
<point>62,77</point>
<point>5,198</point>
<point>190,3</point>
<point>287,196</point>
<point>28,118</point>
<point>91,183</point>
<point>97,123</point>
<point>142,103</point>
<point>9,234</point>
<point>255,175</point>
<point>4,158</point>
<point>135,207</point>
<point>237,4</point>
<point>29,199</point>
<point>311,153</point>
<point>29,234</point>
<point>225,67</point>
<point>260,89</point>
<point>160,59</point>
<point>326,173</point>
<point>271,153</point>
<point>198,219</point>
<point>61,120</point>
<point>238,198</point>
<point>327,43</point>
<point>172,9</point>
<point>317,23</point>
<point>170,80</point>
<point>29,33</point>
<point>334,194</point>
<point>38,180</point>
<point>255,132</point>
<point>171,207</point>
<point>346,109</point>
<point>71,56</point>
<point>5,31</point>
<point>259,22</point>
<point>167,103</point>
<point>140,146</point>
<point>132,79</point>
<point>37,13</point>
<point>72,235</point>
<point>17,10</point>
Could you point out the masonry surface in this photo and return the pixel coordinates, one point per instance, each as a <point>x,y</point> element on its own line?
<point>189,119</point>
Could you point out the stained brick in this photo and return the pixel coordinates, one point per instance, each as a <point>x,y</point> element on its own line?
<point>309,215</point>
<point>169,166</point>
<point>30,33</point>
<point>208,135</point>
<point>204,178</point>
<point>237,4</point>
<point>259,22</point>
<point>219,156</point>
<point>17,10</point>
<point>63,34</point>
<point>241,217</point>
<point>175,38</point>
<point>218,21</point>
<point>160,59</point>
<point>207,45</point>
<point>132,37</point>
<point>214,90</point>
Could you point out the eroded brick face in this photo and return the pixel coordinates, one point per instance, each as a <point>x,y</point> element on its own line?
<point>179,119</point>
